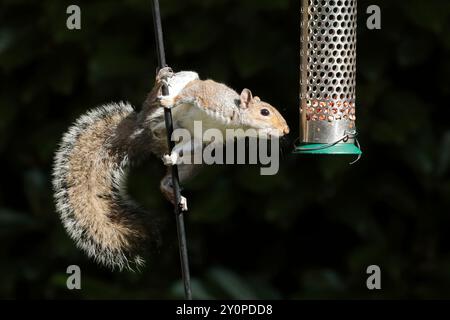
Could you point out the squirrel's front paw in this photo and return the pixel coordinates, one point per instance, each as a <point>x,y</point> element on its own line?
<point>165,74</point>
<point>170,159</point>
<point>166,102</point>
<point>183,204</point>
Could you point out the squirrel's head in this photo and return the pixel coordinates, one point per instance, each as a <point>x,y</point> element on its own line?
<point>262,116</point>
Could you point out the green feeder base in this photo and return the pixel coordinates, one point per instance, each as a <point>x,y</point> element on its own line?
<point>321,148</point>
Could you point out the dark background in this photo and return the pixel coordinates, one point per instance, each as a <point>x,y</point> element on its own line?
<point>310,231</point>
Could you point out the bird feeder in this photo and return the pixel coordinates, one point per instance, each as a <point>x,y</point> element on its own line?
<point>328,77</point>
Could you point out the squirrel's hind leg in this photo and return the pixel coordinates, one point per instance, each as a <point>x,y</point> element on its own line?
<point>185,171</point>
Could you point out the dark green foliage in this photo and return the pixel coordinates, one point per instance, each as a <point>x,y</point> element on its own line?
<point>309,232</point>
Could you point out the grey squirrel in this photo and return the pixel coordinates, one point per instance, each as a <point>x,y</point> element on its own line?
<point>91,163</point>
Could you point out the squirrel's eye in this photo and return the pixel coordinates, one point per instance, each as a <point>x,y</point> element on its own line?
<point>265,112</point>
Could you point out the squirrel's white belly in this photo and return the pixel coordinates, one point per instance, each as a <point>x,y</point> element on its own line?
<point>196,121</point>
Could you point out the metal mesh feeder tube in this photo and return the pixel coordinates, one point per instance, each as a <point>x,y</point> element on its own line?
<point>328,77</point>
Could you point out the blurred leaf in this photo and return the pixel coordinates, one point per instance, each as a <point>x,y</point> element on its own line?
<point>199,292</point>
<point>316,281</point>
<point>13,222</point>
<point>233,286</point>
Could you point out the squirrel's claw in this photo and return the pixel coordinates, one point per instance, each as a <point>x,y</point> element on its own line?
<point>170,159</point>
<point>183,204</point>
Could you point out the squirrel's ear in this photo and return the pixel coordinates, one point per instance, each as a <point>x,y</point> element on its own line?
<point>246,97</point>
<point>256,99</point>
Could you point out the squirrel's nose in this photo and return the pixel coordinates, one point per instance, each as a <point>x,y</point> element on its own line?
<point>286,130</point>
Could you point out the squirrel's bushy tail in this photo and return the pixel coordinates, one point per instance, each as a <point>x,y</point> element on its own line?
<point>89,183</point>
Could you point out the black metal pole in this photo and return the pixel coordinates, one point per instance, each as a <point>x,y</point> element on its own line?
<point>175,177</point>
